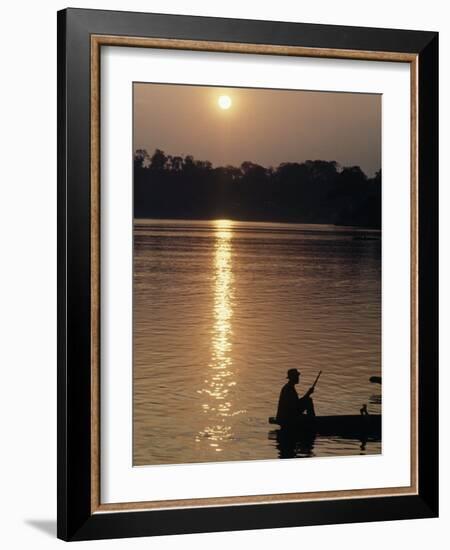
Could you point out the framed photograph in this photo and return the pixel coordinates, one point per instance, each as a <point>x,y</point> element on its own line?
<point>247,274</point>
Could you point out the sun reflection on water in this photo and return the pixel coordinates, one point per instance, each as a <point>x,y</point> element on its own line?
<point>218,387</point>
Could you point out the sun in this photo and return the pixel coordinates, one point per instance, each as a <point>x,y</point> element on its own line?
<point>224,102</point>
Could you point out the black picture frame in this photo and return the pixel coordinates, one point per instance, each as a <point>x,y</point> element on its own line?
<point>76,520</point>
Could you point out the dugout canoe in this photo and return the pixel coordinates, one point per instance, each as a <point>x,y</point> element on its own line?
<point>349,426</point>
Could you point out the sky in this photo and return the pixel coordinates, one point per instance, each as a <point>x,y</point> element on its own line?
<point>264,126</point>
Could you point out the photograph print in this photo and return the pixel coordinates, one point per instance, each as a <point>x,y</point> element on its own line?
<point>256,274</point>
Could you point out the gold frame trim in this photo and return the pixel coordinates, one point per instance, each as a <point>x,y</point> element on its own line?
<point>97,41</point>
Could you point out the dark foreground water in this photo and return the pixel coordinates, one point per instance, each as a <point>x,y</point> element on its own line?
<point>221,311</point>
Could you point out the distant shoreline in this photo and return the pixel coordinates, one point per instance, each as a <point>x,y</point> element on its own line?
<point>284,222</point>
<point>314,192</point>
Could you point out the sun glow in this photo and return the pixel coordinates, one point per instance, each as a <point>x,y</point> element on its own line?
<point>223,224</point>
<point>224,102</point>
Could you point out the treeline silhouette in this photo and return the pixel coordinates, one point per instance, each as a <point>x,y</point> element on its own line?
<point>315,191</point>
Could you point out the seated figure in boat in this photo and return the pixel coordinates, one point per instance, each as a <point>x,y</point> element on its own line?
<point>290,406</point>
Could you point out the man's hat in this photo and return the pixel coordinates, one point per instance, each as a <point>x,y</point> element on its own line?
<point>292,372</point>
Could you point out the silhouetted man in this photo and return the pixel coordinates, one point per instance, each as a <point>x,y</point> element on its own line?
<point>290,406</point>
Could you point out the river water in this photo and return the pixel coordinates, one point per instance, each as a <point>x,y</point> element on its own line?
<point>223,308</point>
